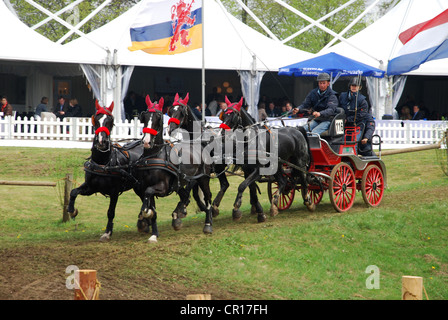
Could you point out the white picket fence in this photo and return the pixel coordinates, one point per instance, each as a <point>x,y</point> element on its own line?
<point>394,133</point>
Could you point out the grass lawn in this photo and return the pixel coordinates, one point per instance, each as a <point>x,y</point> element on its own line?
<point>296,255</point>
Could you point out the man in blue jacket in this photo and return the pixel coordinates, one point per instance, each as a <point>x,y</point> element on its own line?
<point>321,103</point>
<point>357,113</point>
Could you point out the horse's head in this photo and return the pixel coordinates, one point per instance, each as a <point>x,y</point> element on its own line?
<point>103,122</point>
<point>178,113</point>
<point>231,118</point>
<point>153,122</point>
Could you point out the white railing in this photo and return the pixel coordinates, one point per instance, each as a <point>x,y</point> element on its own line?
<point>394,133</point>
<point>74,129</point>
<point>399,132</point>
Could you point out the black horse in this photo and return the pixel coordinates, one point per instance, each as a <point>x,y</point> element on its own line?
<point>182,117</point>
<point>161,171</point>
<point>108,170</point>
<point>290,144</point>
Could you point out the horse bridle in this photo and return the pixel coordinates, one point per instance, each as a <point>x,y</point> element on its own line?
<point>102,129</point>
<point>151,131</point>
<point>231,109</point>
<point>184,112</point>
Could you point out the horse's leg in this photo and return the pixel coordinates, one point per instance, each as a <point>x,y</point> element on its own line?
<point>256,205</point>
<point>142,223</point>
<point>201,205</point>
<point>281,180</point>
<point>224,185</point>
<point>184,194</point>
<point>252,177</point>
<point>110,217</point>
<point>180,211</point>
<point>304,181</point>
<point>83,190</point>
<point>207,199</point>
<point>153,219</point>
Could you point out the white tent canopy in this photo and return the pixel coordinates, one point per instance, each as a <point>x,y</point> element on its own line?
<point>24,44</point>
<point>378,43</point>
<point>229,44</point>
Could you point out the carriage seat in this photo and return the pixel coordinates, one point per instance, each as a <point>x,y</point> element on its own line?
<point>336,129</point>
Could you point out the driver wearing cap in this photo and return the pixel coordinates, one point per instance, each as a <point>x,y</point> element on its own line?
<point>321,103</point>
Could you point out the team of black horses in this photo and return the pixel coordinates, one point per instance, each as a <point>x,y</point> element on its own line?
<point>157,166</point>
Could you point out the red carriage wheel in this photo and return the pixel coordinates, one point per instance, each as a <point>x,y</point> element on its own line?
<point>372,186</point>
<point>342,187</point>
<point>285,199</point>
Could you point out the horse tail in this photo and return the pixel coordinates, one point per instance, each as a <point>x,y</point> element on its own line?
<point>305,135</point>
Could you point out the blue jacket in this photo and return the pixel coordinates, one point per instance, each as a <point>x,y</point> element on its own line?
<point>325,103</point>
<point>348,102</point>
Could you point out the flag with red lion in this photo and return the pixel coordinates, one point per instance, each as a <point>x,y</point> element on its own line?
<point>168,27</point>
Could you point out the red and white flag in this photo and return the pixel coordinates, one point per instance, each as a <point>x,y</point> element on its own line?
<point>423,42</point>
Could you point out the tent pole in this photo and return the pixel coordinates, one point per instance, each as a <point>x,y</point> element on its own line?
<point>203,63</point>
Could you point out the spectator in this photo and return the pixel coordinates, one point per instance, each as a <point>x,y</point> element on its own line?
<point>418,114</point>
<point>6,108</point>
<point>60,108</point>
<point>41,107</point>
<point>405,113</point>
<point>74,109</point>
<point>222,108</point>
<point>262,115</point>
<point>272,110</point>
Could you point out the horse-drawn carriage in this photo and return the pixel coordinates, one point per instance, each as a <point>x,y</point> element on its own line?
<point>337,167</point>
<point>309,163</point>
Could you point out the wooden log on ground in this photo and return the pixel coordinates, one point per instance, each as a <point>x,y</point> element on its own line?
<point>412,288</point>
<point>67,189</point>
<point>28,183</point>
<point>87,287</point>
<point>406,150</point>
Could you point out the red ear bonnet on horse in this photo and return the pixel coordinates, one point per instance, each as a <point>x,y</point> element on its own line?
<point>183,102</point>
<point>239,105</point>
<point>228,103</point>
<point>159,106</point>
<point>102,110</point>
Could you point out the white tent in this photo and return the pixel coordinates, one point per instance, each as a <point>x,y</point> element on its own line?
<point>20,43</point>
<point>378,43</point>
<point>27,53</point>
<point>229,45</point>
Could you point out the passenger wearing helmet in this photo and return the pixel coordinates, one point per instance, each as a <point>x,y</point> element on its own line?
<point>321,103</point>
<point>357,113</point>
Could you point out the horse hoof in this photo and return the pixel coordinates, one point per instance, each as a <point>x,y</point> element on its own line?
<point>152,239</point>
<point>236,214</point>
<point>143,226</point>
<point>261,218</point>
<point>274,211</point>
<point>73,214</point>
<point>177,224</point>
<point>215,211</point>
<point>310,206</point>
<point>105,237</point>
<point>208,229</point>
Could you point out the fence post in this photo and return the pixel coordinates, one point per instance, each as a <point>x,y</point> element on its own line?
<point>412,288</point>
<point>74,128</point>
<point>67,190</point>
<point>10,127</point>
<point>88,286</point>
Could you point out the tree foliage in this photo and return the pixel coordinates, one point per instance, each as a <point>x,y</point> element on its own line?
<point>284,23</point>
<point>281,21</point>
<point>54,30</point>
